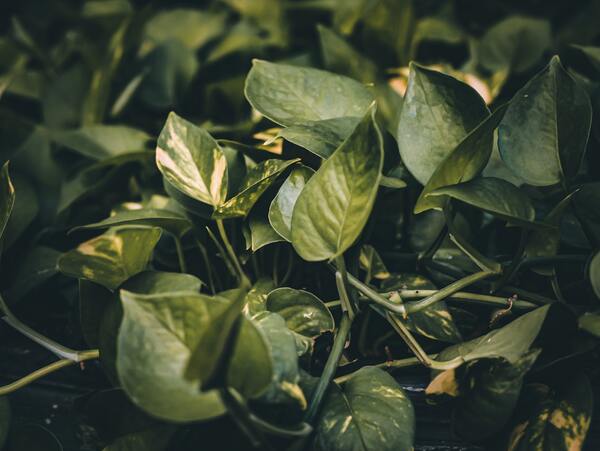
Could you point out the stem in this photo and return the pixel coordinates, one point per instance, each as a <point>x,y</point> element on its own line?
<point>37,374</point>
<point>242,278</point>
<point>330,369</point>
<point>478,258</point>
<point>483,299</point>
<point>209,271</point>
<point>341,282</point>
<point>222,252</point>
<point>389,364</point>
<point>376,297</point>
<point>240,415</point>
<point>51,345</point>
<point>435,244</point>
<point>180,255</point>
<point>512,269</point>
<point>447,291</point>
<point>416,348</point>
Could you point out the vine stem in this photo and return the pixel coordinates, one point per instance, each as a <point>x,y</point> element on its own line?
<point>242,278</point>
<point>180,254</point>
<point>483,299</point>
<point>416,348</point>
<point>48,369</point>
<point>330,368</point>
<point>389,364</point>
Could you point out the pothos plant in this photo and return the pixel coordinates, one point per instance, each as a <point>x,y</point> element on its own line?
<point>282,313</point>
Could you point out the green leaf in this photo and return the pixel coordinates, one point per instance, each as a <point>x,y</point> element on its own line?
<point>167,220</point>
<point>8,198</point>
<point>436,321</point>
<point>489,394</point>
<point>113,257</point>
<point>590,322</point>
<point>284,388</point>
<point>594,272</point>
<point>192,27</point>
<point>495,196</point>
<point>256,299</point>
<point>155,341</point>
<point>192,161</point>
<point>4,419</point>
<point>303,312</point>
<point>290,95</point>
<point>516,44</point>
<point>261,231</point>
<point>320,137</point>
<point>24,211</point>
<point>553,420</point>
<point>544,133</point>
<point>371,262</point>
<point>370,412</point>
<point>510,342</point>
<point>437,113</point>
<point>282,206</point>
<point>258,179</point>
<point>103,141</point>
<point>336,202</point>
<point>464,163</point>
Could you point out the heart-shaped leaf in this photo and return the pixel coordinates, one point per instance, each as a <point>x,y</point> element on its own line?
<point>291,95</point>
<point>113,257</point>
<point>192,161</point>
<point>344,187</point>
<point>261,231</point>
<point>437,113</point>
<point>167,220</point>
<point>282,206</point>
<point>303,312</point>
<point>258,179</point>
<point>495,196</point>
<point>370,412</point>
<point>544,133</point>
<point>464,163</point>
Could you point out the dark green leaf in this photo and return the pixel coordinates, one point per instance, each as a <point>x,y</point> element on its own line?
<point>335,204</point>
<point>24,211</point>
<point>590,322</point>
<point>370,412</point>
<point>496,196</point>
<point>290,95</point>
<point>113,257</point>
<point>303,312</point>
<point>38,265</point>
<point>282,206</point>
<point>544,133</point>
<point>437,113</point>
<point>464,163</point>
<point>595,273</point>
<point>261,231</point>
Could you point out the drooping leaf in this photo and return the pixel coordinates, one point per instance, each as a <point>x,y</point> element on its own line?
<point>516,43</point>
<point>303,312</point>
<point>464,163</point>
<point>282,206</point>
<point>556,420</point>
<point>344,187</point>
<point>544,133</point>
<point>290,95</point>
<point>258,179</point>
<point>167,220</point>
<point>369,412</point>
<point>437,113</point>
<point>192,161</point>
<point>113,257</point>
<point>103,141</point>
<point>496,196</point>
